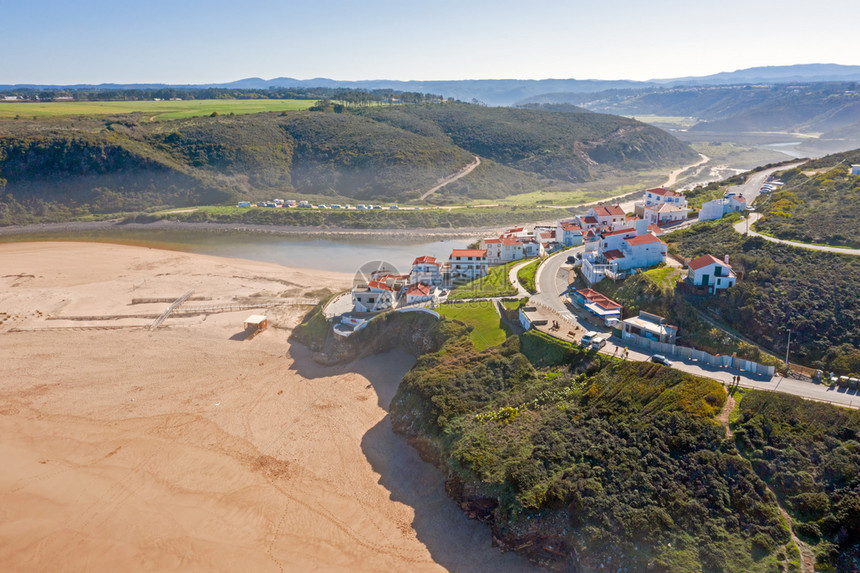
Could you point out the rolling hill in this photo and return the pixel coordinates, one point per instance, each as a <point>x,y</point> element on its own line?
<point>71,166</point>
<point>828,110</point>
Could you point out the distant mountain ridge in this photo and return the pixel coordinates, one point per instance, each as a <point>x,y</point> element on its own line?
<point>509,91</point>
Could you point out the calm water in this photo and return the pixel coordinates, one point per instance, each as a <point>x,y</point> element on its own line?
<point>313,252</point>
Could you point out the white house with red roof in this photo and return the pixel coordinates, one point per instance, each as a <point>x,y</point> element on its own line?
<point>375,296</point>
<point>569,233</point>
<point>420,292</point>
<point>710,273</point>
<point>503,250</point>
<point>467,264</point>
<point>665,214</point>
<point>659,196</point>
<point>601,217</point>
<point>426,270</point>
<point>618,252</point>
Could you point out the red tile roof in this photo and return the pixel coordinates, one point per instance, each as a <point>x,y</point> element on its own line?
<point>426,260</point>
<point>418,288</point>
<point>643,240</point>
<point>570,227</point>
<point>379,285</point>
<point>613,254</point>
<point>619,232</point>
<point>608,211</point>
<point>468,253</point>
<point>599,299</point>
<point>492,241</point>
<point>549,235</point>
<point>511,241</point>
<point>589,220</point>
<point>704,261</point>
<point>655,229</point>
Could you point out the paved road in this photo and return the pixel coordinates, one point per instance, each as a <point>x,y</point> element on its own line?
<point>751,188</point>
<point>741,227</point>
<point>551,281</point>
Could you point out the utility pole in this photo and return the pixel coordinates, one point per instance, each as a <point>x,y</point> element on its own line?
<point>787,346</point>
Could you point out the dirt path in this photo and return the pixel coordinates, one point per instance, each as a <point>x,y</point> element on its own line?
<point>723,418</point>
<point>451,178</point>
<point>807,559</point>
<point>674,175</point>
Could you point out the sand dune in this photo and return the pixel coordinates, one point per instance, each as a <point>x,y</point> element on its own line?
<point>189,448</point>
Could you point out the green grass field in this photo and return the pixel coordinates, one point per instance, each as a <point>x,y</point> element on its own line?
<point>664,277</point>
<point>496,283</point>
<point>157,110</point>
<point>526,276</point>
<point>482,316</point>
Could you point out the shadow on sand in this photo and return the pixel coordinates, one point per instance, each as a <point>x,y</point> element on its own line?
<point>455,542</point>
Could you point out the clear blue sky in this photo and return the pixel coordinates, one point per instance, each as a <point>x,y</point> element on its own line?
<point>89,41</point>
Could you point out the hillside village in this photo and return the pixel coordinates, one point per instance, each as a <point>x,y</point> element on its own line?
<point>605,243</point>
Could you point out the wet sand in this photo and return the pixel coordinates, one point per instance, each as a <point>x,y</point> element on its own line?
<point>191,447</point>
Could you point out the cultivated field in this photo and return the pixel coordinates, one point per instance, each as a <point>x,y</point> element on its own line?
<point>157,110</point>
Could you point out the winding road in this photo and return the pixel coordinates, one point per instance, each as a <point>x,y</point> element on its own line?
<point>552,283</point>
<point>742,226</point>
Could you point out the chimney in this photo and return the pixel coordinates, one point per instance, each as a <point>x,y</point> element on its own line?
<point>726,260</point>
<point>641,226</point>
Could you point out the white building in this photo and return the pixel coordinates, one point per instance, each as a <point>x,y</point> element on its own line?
<point>710,273</point>
<point>665,214</point>
<point>420,292</point>
<point>649,326</point>
<point>467,264</point>
<point>568,234</point>
<point>503,250</point>
<point>621,251</point>
<point>659,196</point>
<point>718,207</point>
<point>376,296</point>
<point>426,270</point>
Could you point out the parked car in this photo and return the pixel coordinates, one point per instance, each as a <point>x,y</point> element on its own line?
<point>588,337</point>
<point>360,206</point>
<point>599,341</point>
<point>660,359</point>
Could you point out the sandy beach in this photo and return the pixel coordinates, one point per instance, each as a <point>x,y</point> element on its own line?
<point>193,447</point>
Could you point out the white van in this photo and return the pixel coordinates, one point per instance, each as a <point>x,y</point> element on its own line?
<point>599,341</point>
<point>588,337</point>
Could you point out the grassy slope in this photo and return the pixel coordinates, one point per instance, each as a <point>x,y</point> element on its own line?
<point>781,287</point>
<point>526,276</point>
<point>624,460</point>
<point>820,203</point>
<point>809,454</point>
<point>496,283</point>
<point>61,167</point>
<point>487,327</point>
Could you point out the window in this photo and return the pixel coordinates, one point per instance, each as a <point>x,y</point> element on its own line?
<point>371,299</point>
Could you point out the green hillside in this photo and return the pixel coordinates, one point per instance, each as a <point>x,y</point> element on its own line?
<point>591,460</point>
<point>819,203</point>
<point>779,287</point>
<point>565,146</point>
<point>59,168</point>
